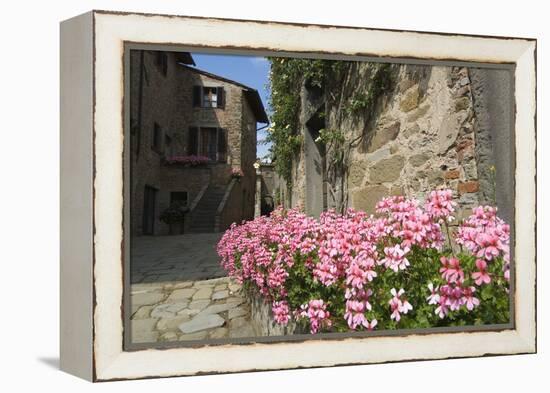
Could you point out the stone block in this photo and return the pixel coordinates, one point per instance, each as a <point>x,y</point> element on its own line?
<point>387,170</point>
<point>462,104</point>
<point>419,159</point>
<point>366,198</point>
<point>171,323</point>
<point>452,174</point>
<point>203,293</point>
<point>410,99</point>
<point>202,322</point>
<point>220,295</point>
<point>357,172</point>
<point>180,295</point>
<point>418,113</point>
<point>448,132</point>
<point>384,135</point>
<point>468,187</point>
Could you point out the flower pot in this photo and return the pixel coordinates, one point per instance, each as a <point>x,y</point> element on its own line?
<point>176,228</point>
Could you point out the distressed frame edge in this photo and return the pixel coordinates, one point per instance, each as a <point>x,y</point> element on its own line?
<point>76,196</point>
<point>527,339</point>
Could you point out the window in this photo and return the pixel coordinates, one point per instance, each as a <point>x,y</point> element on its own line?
<point>209,142</point>
<point>157,138</point>
<point>178,198</point>
<point>161,61</point>
<point>208,145</point>
<point>208,97</point>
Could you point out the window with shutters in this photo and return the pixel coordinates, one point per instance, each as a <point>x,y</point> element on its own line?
<point>208,97</point>
<point>209,142</point>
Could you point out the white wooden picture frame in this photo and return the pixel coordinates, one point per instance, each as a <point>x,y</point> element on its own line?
<point>93,249</point>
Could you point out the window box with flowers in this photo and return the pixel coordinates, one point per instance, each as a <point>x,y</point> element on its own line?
<point>187,161</point>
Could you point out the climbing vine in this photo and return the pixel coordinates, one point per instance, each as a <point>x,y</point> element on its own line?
<point>343,95</point>
<point>285,80</point>
<point>365,101</point>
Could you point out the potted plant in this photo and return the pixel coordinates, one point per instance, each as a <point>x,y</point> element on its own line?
<point>174,216</point>
<point>237,173</point>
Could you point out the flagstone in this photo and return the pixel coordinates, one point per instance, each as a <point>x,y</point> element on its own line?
<point>202,322</point>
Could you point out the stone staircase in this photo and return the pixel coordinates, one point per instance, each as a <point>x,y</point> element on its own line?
<point>203,217</point>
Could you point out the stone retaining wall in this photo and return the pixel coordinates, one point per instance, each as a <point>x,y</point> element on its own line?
<point>261,317</point>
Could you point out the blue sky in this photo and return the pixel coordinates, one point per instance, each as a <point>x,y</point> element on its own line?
<point>248,70</point>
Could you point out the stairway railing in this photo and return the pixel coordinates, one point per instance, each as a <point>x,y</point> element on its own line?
<point>193,206</point>
<point>223,217</point>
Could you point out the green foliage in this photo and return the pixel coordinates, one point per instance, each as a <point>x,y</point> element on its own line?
<point>365,102</point>
<point>424,267</point>
<point>286,77</point>
<point>173,214</point>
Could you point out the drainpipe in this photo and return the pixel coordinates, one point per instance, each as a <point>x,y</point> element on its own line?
<point>258,204</point>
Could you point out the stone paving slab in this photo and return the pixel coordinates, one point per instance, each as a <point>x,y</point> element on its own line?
<point>182,258</point>
<point>191,310</point>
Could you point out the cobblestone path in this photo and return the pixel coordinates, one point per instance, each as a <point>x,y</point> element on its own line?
<point>190,310</point>
<point>179,292</point>
<point>186,257</point>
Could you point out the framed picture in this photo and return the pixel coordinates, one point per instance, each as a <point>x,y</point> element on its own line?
<point>246,195</point>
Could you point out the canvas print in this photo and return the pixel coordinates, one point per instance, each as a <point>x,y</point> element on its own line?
<point>280,196</point>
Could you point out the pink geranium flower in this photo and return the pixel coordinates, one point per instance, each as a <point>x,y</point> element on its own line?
<point>481,276</point>
<point>318,315</point>
<point>398,305</point>
<point>451,271</point>
<point>434,294</point>
<point>281,312</point>
<point>395,258</point>
<point>468,298</point>
<point>488,244</point>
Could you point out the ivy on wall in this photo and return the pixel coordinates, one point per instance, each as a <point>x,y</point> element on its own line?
<point>286,78</point>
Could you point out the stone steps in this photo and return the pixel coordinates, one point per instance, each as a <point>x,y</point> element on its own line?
<point>203,217</point>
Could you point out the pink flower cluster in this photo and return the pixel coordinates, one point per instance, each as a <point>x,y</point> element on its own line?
<point>453,294</point>
<point>237,173</point>
<point>317,314</point>
<point>346,253</point>
<point>191,160</point>
<point>398,305</point>
<point>485,236</point>
<point>281,312</point>
<point>262,251</point>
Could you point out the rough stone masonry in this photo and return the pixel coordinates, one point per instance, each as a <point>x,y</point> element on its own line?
<point>437,126</point>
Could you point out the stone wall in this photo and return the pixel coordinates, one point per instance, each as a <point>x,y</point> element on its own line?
<point>247,159</point>
<point>261,317</point>
<point>424,133</point>
<point>422,139</point>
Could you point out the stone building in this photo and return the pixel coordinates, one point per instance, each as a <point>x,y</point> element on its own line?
<point>178,111</point>
<point>431,126</point>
